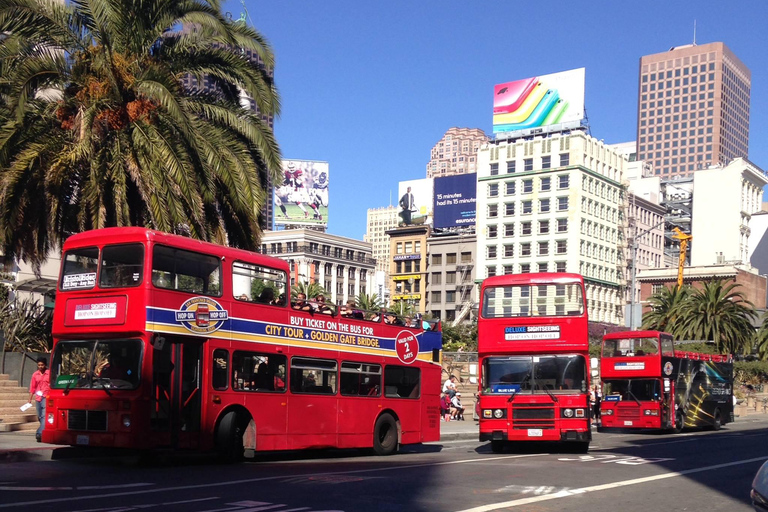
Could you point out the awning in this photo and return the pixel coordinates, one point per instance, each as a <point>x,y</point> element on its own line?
<point>41,286</point>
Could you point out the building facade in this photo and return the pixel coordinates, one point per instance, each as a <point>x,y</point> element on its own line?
<point>456,152</point>
<point>555,203</point>
<point>408,267</point>
<point>451,290</point>
<point>693,108</point>
<point>381,220</point>
<point>343,266</point>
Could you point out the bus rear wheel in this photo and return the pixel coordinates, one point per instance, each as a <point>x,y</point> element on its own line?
<point>229,438</point>
<point>385,435</point>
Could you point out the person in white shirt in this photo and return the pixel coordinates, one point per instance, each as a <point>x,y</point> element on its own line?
<point>457,410</point>
<point>450,385</point>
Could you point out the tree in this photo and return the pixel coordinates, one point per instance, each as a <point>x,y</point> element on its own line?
<point>665,306</point>
<point>462,336</point>
<point>370,302</point>
<point>402,308</point>
<point>720,313</point>
<point>97,130</point>
<point>310,290</point>
<point>25,326</point>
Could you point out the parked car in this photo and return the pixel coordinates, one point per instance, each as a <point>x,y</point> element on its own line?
<point>759,492</point>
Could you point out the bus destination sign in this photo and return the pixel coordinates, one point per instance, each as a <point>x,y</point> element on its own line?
<point>532,332</point>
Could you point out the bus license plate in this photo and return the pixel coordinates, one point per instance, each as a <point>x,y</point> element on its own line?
<point>83,440</point>
<point>628,423</point>
<point>535,432</point>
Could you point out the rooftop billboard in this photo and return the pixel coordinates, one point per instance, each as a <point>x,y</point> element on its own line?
<point>455,201</point>
<point>415,202</point>
<point>539,101</point>
<point>302,198</point>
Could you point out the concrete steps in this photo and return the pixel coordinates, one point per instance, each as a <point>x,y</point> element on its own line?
<point>13,396</point>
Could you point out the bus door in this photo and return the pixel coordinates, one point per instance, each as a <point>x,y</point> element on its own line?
<point>177,388</point>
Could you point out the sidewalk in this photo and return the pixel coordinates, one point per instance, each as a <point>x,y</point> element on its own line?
<point>459,430</point>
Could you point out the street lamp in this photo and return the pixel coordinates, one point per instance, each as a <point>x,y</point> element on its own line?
<point>634,273</point>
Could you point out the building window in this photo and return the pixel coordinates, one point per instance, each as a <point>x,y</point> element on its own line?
<point>561,247</point>
<point>562,204</point>
<point>450,278</point>
<point>565,159</point>
<point>509,269</point>
<point>509,230</point>
<point>437,297</point>
<point>408,247</point>
<point>563,181</point>
<point>543,205</point>
<point>494,169</point>
<point>525,249</point>
<point>490,271</point>
<point>525,268</point>
<point>543,248</point>
<point>544,227</point>
<point>527,207</point>
<point>543,267</point>
<point>546,162</point>
<point>656,288</point>
<point>466,257</point>
<point>545,184</point>
<point>560,266</point>
<point>510,188</point>
<point>417,246</point>
<point>450,297</point>
<point>509,250</point>
<point>509,209</point>
<point>450,258</point>
<point>525,228</point>
<point>493,211</point>
<point>527,186</point>
<point>437,278</point>
<point>493,190</point>
<point>528,164</point>
<point>492,231</point>
<point>399,248</point>
<point>437,259</point>
<point>562,225</point>
<point>510,166</point>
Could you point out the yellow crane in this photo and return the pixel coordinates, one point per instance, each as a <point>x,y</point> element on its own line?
<point>684,239</point>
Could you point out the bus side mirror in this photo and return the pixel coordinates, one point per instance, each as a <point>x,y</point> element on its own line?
<point>593,363</point>
<point>666,385</point>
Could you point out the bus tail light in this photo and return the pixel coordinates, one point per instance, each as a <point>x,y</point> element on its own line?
<point>127,421</point>
<point>50,418</point>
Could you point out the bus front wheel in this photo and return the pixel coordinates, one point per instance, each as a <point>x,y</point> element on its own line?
<point>497,446</point>
<point>678,422</point>
<point>718,420</point>
<point>229,438</point>
<point>385,435</point>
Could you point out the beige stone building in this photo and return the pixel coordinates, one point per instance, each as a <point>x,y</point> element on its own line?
<point>456,152</point>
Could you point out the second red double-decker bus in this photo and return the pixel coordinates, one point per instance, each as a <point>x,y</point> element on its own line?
<point>163,341</point>
<point>647,384</point>
<point>533,350</point>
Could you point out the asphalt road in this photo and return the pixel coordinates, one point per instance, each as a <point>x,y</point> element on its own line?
<point>693,471</point>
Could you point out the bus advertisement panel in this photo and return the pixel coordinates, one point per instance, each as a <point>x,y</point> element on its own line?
<point>161,341</point>
<point>647,384</point>
<point>533,351</point>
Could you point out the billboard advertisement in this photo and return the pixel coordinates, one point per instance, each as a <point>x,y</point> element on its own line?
<point>539,101</point>
<point>302,198</point>
<point>455,201</point>
<point>415,202</point>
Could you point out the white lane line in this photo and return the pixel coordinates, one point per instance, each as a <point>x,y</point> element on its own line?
<point>604,487</point>
<point>79,488</point>
<point>263,479</point>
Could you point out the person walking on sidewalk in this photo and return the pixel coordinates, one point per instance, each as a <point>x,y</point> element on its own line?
<point>38,389</point>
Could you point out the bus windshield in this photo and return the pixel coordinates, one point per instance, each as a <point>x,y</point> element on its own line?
<point>105,364</point>
<point>630,347</point>
<point>632,389</point>
<point>535,374</point>
<point>533,300</point>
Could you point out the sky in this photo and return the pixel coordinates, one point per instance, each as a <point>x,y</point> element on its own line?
<point>371,87</point>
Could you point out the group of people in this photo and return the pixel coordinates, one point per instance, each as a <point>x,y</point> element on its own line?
<point>317,306</point>
<point>450,401</point>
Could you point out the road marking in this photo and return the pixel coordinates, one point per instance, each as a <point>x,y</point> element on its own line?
<point>605,487</point>
<point>80,488</point>
<point>263,479</point>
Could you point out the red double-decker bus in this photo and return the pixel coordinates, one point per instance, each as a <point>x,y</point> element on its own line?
<point>533,350</point>
<point>161,341</point>
<point>647,384</point>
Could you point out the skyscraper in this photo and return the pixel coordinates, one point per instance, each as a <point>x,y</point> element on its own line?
<point>456,152</point>
<point>693,109</point>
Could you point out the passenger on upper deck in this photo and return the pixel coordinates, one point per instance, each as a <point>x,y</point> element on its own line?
<point>301,303</point>
<point>321,307</point>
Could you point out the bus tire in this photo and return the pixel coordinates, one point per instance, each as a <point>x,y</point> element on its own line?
<point>678,422</point>
<point>497,446</point>
<point>229,438</point>
<point>717,422</point>
<point>385,435</point>
<point>580,447</point>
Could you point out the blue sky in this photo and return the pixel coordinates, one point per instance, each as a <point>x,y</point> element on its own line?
<point>371,87</point>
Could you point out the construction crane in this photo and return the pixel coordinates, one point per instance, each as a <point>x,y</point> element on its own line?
<point>684,239</point>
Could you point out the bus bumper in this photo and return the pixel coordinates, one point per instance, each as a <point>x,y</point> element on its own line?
<point>563,436</point>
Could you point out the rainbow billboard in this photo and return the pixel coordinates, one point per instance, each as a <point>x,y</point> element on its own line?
<point>539,101</point>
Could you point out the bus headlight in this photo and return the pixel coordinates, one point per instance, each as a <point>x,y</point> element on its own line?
<point>607,412</point>
<point>127,421</point>
<point>650,412</point>
<point>50,418</point>
<point>568,413</point>
<point>498,414</point>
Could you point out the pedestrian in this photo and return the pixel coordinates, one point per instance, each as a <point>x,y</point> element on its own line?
<point>449,386</point>
<point>38,389</point>
<point>457,410</point>
<point>598,400</point>
<point>445,407</point>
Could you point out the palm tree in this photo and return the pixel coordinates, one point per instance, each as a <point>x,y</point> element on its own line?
<point>664,311</point>
<point>97,130</point>
<point>720,313</point>
<point>370,302</point>
<point>310,290</point>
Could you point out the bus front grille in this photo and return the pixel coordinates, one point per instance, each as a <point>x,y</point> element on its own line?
<point>532,416</point>
<point>625,412</point>
<point>87,420</point>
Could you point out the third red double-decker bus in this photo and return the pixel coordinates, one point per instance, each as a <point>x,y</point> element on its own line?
<point>533,350</point>
<point>647,384</point>
<point>162,341</point>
